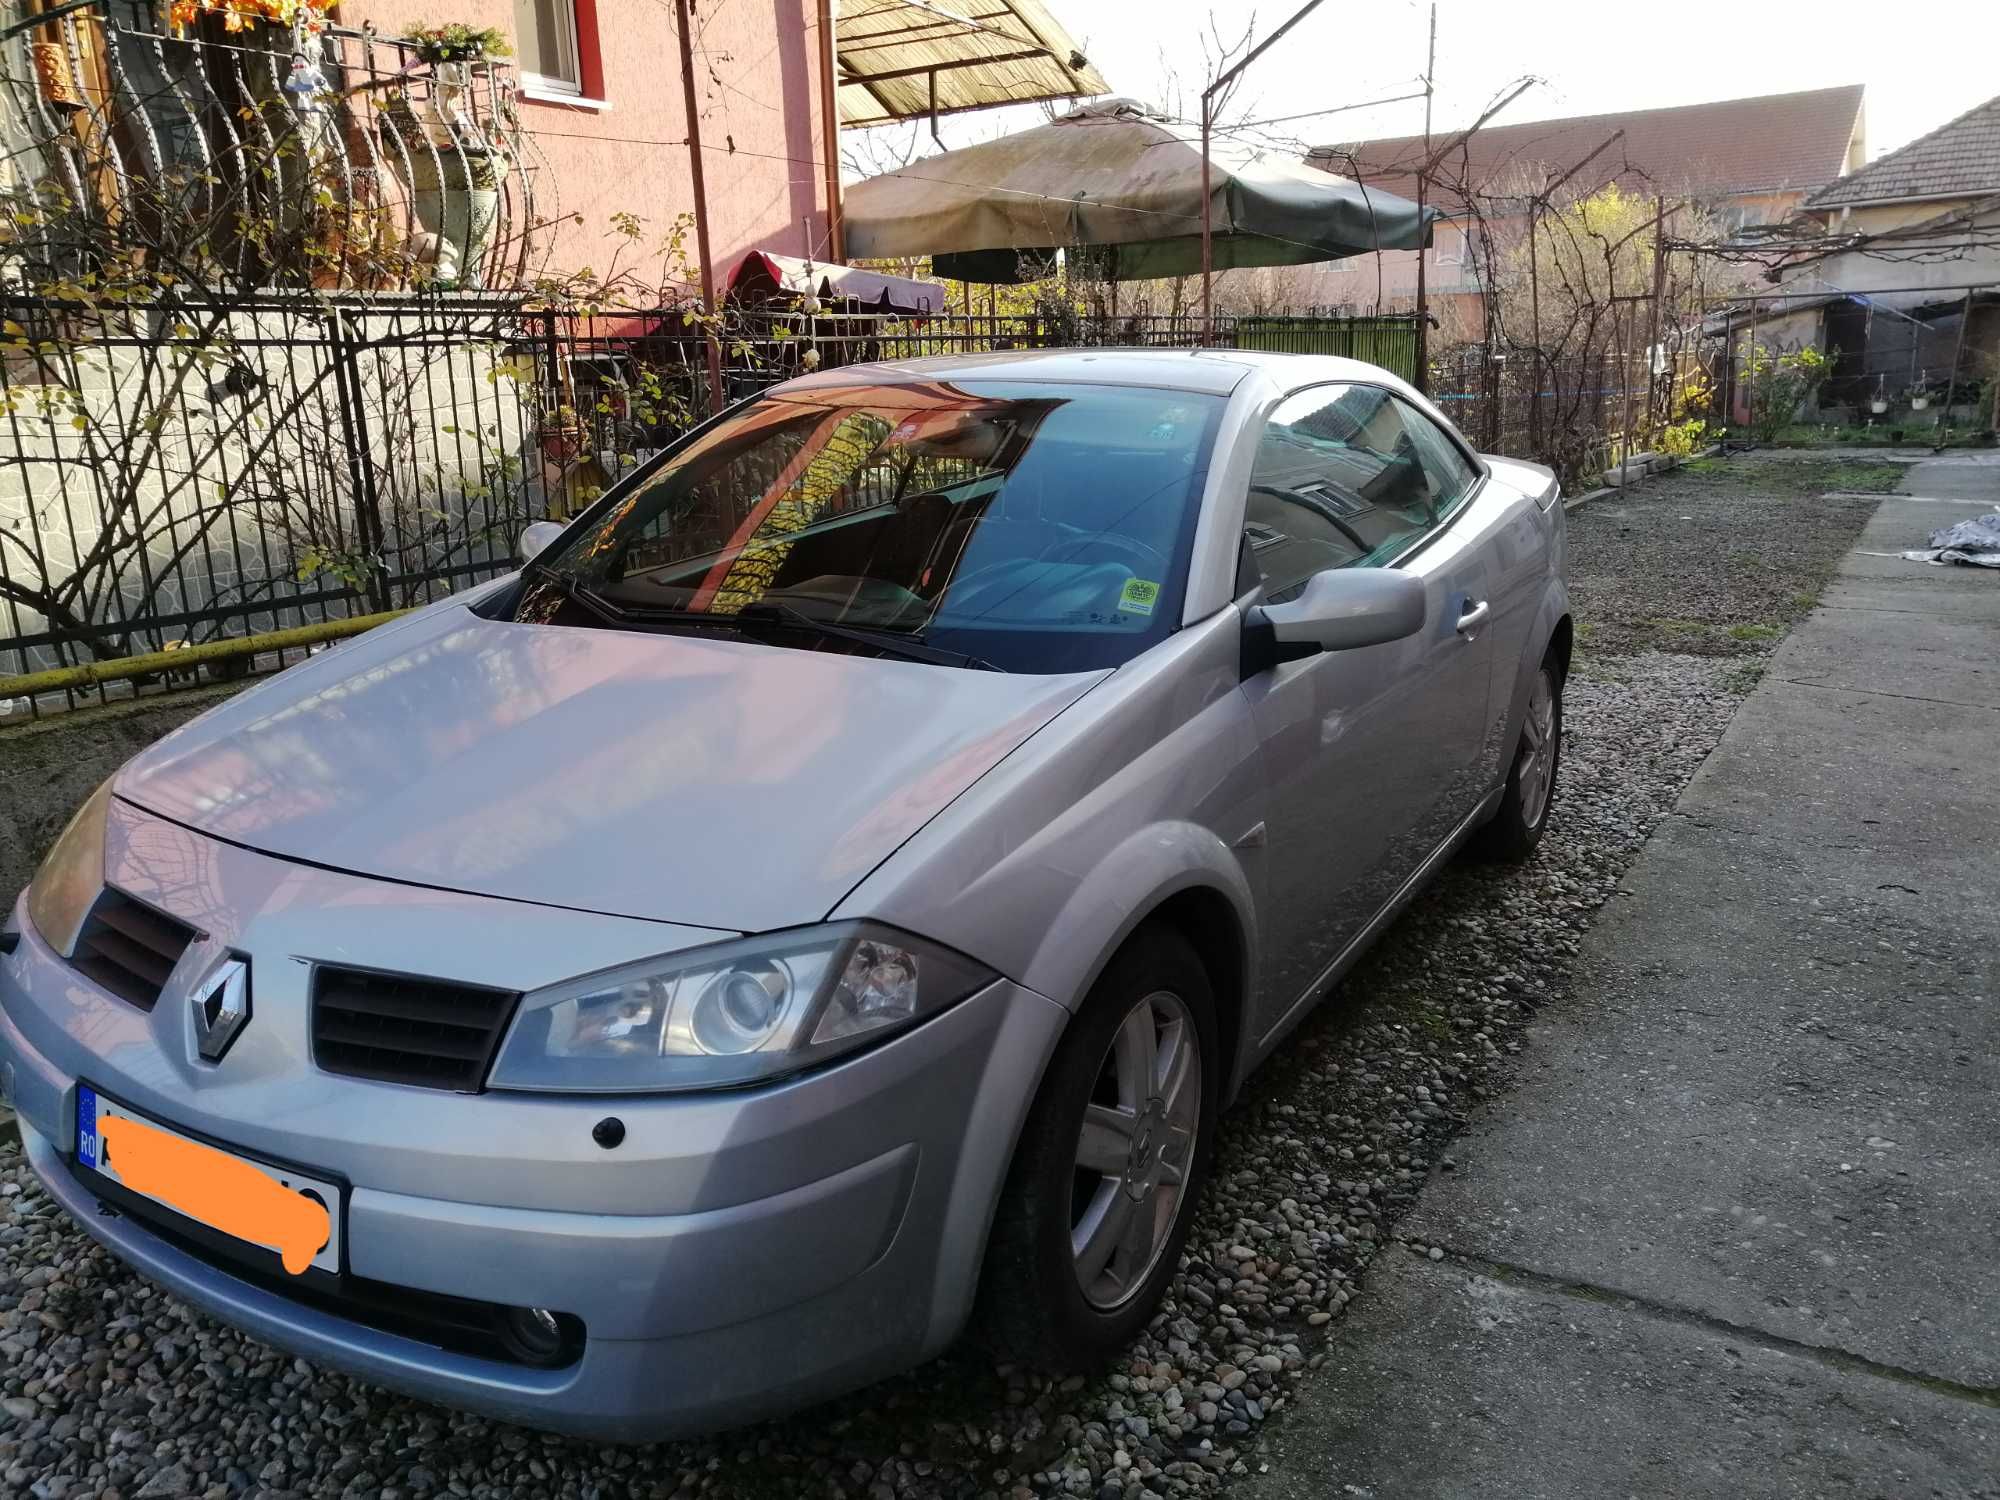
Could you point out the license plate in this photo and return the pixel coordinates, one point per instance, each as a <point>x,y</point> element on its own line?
<point>287,1212</point>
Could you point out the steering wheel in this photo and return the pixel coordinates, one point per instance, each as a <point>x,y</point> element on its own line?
<point>1151,564</point>
<point>1318,507</point>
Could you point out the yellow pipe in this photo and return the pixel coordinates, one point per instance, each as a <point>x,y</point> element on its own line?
<point>169,661</point>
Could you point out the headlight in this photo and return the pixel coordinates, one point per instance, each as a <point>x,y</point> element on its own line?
<point>736,1013</point>
<point>64,888</point>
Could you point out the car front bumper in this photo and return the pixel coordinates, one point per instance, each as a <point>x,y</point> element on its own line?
<point>738,1254</point>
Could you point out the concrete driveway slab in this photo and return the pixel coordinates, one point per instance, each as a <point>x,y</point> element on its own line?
<point>1930,655</point>
<point>1780,1109</point>
<point>1869,792</point>
<point>1452,1383</point>
<point>1957,592</point>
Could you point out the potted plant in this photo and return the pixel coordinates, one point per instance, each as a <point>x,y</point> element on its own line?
<point>1919,395</point>
<point>456,42</point>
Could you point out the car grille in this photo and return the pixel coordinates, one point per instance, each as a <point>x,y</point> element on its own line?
<point>128,948</point>
<point>400,1029</point>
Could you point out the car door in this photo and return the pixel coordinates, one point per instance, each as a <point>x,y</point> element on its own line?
<point>1506,527</point>
<point>1367,752</point>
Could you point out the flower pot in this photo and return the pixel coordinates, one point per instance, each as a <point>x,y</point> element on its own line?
<point>563,444</point>
<point>455,193</point>
<point>1918,403</point>
<point>1878,407</point>
<point>455,177</point>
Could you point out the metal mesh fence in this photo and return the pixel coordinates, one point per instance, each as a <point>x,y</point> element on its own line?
<point>1572,414</point>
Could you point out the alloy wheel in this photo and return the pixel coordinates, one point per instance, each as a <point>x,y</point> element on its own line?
<point>1538,751</point>
<point>1135,1149</point>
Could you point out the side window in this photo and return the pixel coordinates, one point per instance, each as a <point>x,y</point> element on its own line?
<point>1451,475</point>
<point>1338,482</point>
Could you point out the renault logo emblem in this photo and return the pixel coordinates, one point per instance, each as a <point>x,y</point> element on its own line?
<point>221,1007</point>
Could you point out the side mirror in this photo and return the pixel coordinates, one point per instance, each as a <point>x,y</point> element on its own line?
<point>537,537</point>
<point>1339,610</point>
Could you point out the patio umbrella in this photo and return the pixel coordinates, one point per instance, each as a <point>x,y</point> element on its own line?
<point>1116,179</point>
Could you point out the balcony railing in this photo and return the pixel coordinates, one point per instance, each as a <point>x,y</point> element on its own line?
<point>275,156</point>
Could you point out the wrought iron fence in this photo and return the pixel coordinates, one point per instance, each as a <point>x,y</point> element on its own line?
<point>173,476</point>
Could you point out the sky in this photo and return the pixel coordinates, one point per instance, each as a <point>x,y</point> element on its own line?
<point>1920,67</point>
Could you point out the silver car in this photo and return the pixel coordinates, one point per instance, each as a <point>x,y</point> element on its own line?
<point>825,897</point>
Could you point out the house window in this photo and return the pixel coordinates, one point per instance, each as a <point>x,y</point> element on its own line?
<point>1730,221</point>
<point>550,60</point>
<point>1456,245</point>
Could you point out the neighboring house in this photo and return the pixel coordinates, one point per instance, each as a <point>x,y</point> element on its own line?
<point>1747,161</point>
<point>1912,243</point>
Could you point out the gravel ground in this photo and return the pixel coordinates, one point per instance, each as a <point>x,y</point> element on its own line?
<point>1720,557</point>
<point>110,1388</point>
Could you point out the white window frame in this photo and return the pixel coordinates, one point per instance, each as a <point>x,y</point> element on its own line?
<point>533,82</point>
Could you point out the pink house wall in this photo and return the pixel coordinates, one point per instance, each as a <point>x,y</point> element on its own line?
<point>757,83</point>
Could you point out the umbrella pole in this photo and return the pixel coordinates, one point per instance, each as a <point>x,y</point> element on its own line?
<point>1222,81</point>
<point>1421,375</point>
<point>1207,244</point>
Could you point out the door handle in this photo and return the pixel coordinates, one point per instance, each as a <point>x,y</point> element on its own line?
<point>1471,616</point>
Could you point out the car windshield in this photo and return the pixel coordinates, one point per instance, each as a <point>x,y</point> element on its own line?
<point>1029,527</point>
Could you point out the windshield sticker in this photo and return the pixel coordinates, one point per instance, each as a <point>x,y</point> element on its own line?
<point>1138,596</point>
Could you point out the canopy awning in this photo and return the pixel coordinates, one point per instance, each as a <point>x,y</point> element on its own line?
<point>1117,179</point>
<point>762,273</point>
<point>905,59</point>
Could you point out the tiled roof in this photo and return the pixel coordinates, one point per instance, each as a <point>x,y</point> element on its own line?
<point>1773,143</point>
<point>1960,159</point>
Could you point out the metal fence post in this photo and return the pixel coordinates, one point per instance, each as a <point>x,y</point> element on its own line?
<point>368,534</point>
<point>548,405</point>
<point>1496,385</point>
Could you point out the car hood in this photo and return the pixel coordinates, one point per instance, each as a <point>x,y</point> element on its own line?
<point>714,783</point>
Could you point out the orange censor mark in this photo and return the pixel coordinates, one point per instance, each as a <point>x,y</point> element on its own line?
<point>216,1190</point>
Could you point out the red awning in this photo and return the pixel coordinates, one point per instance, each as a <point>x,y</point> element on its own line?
<point>763,274</point>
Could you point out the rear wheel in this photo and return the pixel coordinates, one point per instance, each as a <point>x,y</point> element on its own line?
<point>1517,827</point>
<point>1102,1189</point>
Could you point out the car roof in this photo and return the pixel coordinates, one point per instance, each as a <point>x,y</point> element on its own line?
<point>1209,371</point>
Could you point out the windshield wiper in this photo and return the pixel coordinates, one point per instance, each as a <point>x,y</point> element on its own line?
<point>763,612</point>
<point>538,571</point>
<point>888,642</point>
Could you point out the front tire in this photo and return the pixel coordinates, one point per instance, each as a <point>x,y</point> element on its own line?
<point>1102,1189</point>
<point>1517,827</point>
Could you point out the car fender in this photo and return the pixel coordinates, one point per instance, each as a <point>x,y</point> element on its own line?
<point>1114,898</point>
<point>1112,901</point>
<point>1549,613</point>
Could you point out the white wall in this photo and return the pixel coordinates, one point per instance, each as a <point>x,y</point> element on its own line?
<point>248,489</point>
